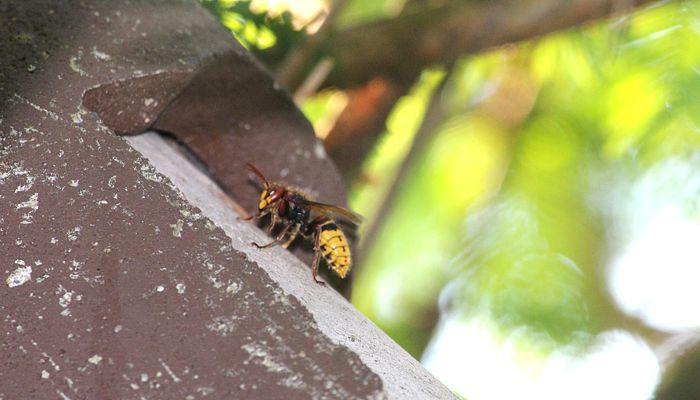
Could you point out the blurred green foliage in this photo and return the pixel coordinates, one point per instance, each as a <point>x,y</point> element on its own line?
<point>358,12</point>
<point>498,208</point>
<point>268,37</point>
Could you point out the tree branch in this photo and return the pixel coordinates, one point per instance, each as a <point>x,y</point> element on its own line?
<point>290,72</point>
<point>429,35</point>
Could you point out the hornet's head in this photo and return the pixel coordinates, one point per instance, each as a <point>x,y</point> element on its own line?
<point>271,193</point>
<point>270,196</point>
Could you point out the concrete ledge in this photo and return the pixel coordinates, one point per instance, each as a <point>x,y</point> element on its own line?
<point>403,376</point>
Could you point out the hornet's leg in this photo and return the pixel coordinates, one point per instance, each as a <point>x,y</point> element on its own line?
<point>273,222</point>
<point>317,254</point>
<point>274,242</point>
<point>254,216</point>
<point>292,236</point>
<point>248,218</point>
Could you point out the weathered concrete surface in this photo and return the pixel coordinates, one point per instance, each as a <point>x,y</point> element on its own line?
<point>113,284</point>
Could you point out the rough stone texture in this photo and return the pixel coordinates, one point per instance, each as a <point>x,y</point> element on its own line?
<point>114,284</point>
<point>118,106</point>
<point>115,287</point>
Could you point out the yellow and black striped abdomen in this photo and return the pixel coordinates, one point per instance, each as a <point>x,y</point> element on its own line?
<point>335,248</point>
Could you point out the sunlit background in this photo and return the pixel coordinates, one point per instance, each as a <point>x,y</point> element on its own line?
<point>542,239</point>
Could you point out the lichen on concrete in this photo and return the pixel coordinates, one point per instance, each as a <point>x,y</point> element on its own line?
<point>21,275</point>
